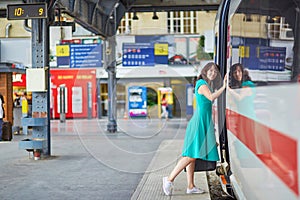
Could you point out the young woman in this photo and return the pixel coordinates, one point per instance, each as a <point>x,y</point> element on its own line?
<point>239,78</point>
<point>200,141</point>
<point>164,105</point>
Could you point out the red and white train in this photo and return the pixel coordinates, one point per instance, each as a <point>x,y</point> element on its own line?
<point>259,137</point>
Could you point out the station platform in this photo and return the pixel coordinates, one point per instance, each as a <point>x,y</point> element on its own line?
<point>150,187</point>
<point>87,162</point>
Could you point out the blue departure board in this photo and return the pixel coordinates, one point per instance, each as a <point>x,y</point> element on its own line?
<point>85,55</point>
<point>138,54</point>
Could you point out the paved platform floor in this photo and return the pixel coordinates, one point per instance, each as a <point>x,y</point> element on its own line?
<point>87,163</point>
<point>150,186</point>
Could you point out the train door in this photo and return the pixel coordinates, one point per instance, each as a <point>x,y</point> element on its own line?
<point>260,145</point>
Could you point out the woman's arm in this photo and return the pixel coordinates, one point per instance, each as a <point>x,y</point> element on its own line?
<point>203,89</point>
<point>246,91</point>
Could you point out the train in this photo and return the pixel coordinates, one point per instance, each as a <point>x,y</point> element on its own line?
<point>259,137</point>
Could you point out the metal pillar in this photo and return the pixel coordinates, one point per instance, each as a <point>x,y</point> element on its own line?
<point>99,101</point>
<point>62,106</point>
<point>40,121</point>
<point>89,100</point>
<point>40,103</point>
<point>111,70</point>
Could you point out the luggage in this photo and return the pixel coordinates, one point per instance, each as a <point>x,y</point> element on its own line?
<point>6,131</point>
<point>205,165</point>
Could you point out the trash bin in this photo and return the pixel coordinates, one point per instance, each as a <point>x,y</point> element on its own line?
<point>6,131</point>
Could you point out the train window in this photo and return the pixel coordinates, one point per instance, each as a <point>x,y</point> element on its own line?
<point>262,40</point>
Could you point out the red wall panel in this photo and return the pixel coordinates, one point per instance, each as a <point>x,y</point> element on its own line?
<point>76,83</point>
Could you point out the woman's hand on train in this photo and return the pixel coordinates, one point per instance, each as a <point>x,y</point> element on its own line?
<point>225,81</point>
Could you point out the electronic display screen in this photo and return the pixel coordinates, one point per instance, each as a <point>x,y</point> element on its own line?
<point>26,11</point>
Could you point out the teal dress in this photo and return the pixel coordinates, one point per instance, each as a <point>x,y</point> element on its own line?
<point>246,105</point>
<point>200,140</point>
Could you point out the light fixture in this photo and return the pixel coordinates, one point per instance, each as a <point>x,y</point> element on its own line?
<point>155,17</point>
<point>269,20</point>
<point>135,17</point>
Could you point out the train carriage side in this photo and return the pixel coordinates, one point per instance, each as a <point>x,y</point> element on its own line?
<point>259,123</point>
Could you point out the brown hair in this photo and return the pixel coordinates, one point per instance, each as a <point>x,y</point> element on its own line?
<point>233,83</point>
<point>216,83</point>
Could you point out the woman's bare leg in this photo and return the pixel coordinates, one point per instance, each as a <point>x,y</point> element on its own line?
<point>190,174</point>
<point>182,163</point>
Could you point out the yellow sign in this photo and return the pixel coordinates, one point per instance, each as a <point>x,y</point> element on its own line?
<point>62,50</point>
<point>161,49</point>
<point>244,51</point>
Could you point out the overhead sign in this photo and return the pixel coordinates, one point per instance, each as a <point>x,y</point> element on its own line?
<point>85,55</point>
<point>27,11</point>
<point>138,54</point>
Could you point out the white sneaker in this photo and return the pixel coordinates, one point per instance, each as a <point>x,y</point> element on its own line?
<point>194,190</point>
<point>167,186</point>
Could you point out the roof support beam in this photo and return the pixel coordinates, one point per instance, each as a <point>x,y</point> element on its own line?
<point>96,15</point>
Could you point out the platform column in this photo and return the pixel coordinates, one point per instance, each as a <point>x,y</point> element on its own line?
<point>112,83</point>
<point>40,120</point>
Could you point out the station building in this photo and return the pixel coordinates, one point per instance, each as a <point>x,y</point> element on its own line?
<point>173,67</point>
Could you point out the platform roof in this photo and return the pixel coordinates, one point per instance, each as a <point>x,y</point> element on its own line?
<point>102,17</point>
<point>6,67</point>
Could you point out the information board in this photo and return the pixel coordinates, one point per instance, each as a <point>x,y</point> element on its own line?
<point>85,55</point>
<point>138,54</point>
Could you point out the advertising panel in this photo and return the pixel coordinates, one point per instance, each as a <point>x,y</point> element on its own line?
<point>77,83</point>
<point>137,101</point>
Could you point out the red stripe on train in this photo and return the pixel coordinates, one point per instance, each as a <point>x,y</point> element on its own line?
<point>276,150</point>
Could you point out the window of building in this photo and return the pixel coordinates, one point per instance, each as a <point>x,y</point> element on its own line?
<point>182,22</point>
<point>125,24</point>
<point>179,22</point>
